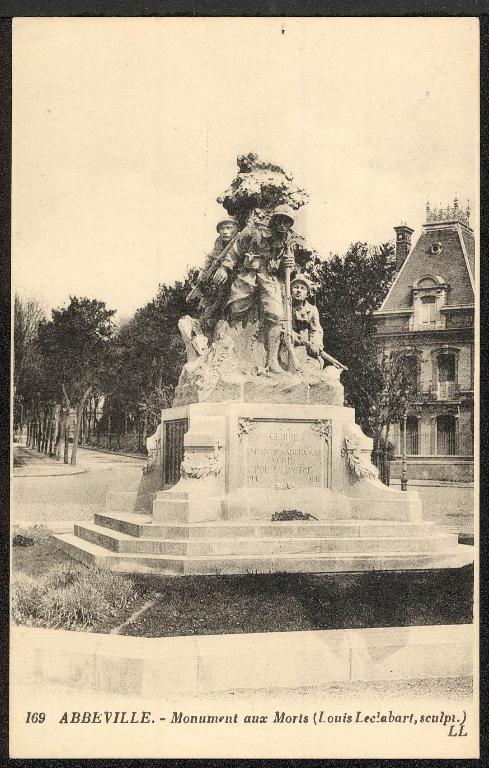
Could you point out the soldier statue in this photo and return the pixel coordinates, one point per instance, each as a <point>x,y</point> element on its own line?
<point>261,258</point>
<point>306,325</point>
<point>211,296</point>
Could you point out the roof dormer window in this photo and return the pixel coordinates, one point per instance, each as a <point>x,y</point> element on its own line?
<point>429,295</point>
<point>428,310</point>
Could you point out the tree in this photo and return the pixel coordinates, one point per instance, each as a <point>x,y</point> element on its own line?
<point>351,288</point>
<point>28,312</point>
<point>148,358</point>
<point>76,346</point>
<point>397,388</point>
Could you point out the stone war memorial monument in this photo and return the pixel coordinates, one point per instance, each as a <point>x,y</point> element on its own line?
<point>258,466</point>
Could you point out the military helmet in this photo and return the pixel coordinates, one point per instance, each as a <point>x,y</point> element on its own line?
<point>227,220</point>
<point>302,279</point>
<point>283,210</point>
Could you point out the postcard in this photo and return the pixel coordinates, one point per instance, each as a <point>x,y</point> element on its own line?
<point>245,270</point>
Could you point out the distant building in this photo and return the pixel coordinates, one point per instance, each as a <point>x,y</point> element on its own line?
<point>428,318</point>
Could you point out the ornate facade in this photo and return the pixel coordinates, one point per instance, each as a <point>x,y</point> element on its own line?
<point>428,318</point>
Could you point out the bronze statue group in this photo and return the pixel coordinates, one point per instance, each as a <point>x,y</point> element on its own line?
<point>254,270</point>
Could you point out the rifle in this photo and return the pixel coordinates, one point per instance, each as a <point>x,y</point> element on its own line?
<point>293,366</point>
<point>207,272</point>
<point>325,356</point>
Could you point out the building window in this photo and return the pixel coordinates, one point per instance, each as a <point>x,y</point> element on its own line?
<point>410,366</point>
<point>429,297</point>
<point>412,435</point>
<point>446,376</point>
<point>427,282</point>
<point>428,310</point>
<point>445,435</point>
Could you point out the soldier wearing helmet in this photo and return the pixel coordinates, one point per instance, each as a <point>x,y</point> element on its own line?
<point>227,229</point>
<point>306,325</point>
<point>210,300</point>
<point>260,258</point>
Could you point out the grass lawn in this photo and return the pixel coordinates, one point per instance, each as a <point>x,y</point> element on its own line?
<point>202,605</point>
<point>36,560</point>
<point>191,605</point>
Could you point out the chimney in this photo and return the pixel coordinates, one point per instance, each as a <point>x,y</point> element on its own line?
<point>403,243</point>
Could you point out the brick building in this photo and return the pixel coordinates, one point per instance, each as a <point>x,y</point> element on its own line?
<point>428,318</point>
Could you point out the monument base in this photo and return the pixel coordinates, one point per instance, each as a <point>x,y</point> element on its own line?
<point>260,488</point>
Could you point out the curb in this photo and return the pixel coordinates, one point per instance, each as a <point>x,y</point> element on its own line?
<point>419,483</point>
<point>56,526</point>
<point>194,665</point>
<point>113,453</point>
<point>77,471</point>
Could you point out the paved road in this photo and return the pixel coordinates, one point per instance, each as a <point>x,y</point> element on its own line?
<point>449,505</point>
<point>77,497</point>
<point>73,497</point>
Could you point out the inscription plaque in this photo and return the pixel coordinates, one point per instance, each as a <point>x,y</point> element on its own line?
<point>287,454</point>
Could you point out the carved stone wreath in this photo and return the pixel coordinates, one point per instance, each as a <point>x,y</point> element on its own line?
<point>245,426</point>
<point>323,427</point>
<point>355,461</point>
<point>211,466</point>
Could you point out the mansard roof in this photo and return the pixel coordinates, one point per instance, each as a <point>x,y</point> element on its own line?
<point>454,262</point>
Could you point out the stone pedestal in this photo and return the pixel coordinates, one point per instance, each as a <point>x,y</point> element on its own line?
<point>249,461</point>
<point>248,487</point>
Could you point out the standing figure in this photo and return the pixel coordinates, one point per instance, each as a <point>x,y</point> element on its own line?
<point>210,294</point>
<point>306,326</point>
<point>261,258</point>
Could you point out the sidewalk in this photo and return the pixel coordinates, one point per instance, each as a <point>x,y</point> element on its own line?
<point>209,664</point>
<point>434,484</point>
<point>30,463</point>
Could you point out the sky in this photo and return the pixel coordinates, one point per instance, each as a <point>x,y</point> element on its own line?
<point>126,130</point>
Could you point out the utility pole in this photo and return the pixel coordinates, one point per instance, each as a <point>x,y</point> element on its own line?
<point>404,477</point>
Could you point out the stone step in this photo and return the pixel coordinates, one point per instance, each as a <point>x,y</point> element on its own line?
<point>121,542</point>
<point>94,554</point>
<point>141,525</point>
<point>132,523</point>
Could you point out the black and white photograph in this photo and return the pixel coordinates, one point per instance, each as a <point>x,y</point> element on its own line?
<point>245,388</point>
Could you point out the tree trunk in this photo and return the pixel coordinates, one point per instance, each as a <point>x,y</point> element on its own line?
<point>76,431</point>
<point>66,447</point>
<point>32,441</point>
<point>45,428</point>
<point>376,452</point>
<point>66,428</point>
<point>59,433</point>
<point>42,426</point>
<point>145,430</point>
<point>39,433</point>
<point>51,434</point>
<point>386,466</point>
<point>46,434</point>
<point>89,423</point>
<point>96,401</point>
